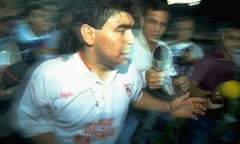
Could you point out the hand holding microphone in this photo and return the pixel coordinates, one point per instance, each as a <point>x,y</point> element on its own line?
<point>229,90</point>
<point>226,91</point>
<point>162,62</point>
<point>154,78</point>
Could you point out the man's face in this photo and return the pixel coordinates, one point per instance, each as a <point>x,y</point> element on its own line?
<point>185,30</point>
<point>154,24</point>
<point>112,43</point>
<point>231,39</point>
<point>39,21</point>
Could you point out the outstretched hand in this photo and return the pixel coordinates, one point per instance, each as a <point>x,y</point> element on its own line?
<point>186,107</point>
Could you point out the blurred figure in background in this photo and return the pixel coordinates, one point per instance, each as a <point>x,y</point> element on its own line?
<point>185,52</point>
<point>9,9</point>
<point>9,54</point>
<point>214,69</point>
<point>64,17</point>
<point>36,34</point>
<point>23,42</point>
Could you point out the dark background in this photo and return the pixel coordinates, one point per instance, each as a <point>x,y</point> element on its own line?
<point>221,9</point>
<point>210,15</point>
<point>216,9</point>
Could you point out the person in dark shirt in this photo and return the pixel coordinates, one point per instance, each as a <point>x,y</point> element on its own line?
<point>214,69</point>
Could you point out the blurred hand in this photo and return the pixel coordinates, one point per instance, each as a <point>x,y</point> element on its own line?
<point>2,69</point>
<point>184,106</point>
<point>187,56</point>
<point>182,82</point>
<point>215,100</point>
<point>154,78</point>
<point>5,94</point>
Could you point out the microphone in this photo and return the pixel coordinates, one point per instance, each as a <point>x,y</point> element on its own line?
<point>162,61</point>
<point>13,74</point>
<point>161,55</point>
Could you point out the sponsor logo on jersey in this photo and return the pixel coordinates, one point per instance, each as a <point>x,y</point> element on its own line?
<point>66,94</point>
<point>96,131</point>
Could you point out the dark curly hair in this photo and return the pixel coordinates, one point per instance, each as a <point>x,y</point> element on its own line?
<point>92,12</point>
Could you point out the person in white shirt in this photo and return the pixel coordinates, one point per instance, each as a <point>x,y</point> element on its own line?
<point>154,22</point>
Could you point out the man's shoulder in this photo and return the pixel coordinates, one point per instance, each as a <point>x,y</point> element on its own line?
<point>59,63</point>
<point>214,54</point>
<point>211,58</point>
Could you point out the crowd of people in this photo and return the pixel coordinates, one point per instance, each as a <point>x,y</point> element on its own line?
<point>104,72</point>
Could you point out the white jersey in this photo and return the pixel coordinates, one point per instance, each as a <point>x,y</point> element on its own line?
<point>64,97</point>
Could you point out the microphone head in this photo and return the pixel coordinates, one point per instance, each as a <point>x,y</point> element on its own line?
<point>161,56</point>
<point>14,73</point>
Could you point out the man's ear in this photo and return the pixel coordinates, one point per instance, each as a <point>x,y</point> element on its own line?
<point>88,34</point>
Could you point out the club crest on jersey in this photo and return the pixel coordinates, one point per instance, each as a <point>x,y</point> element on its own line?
<point>128,88</point>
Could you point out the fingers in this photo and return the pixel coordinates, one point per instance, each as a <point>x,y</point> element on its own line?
<point>193,116</point>
<point>189,107</point>
<point>201,107</point>
<point>180,101</point>
<point>5,94</point>
<point>154,79</point>
<point>155,85</point>
<point>182,82</point>
<point>198,109</point>
<point>198,100</point>
<point>184,97</point>
<point>196,112</point>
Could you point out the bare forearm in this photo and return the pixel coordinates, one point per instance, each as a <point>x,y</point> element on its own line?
<point>46,138</point>
<point>182,106</point>
<point>148,102</point>
<point>195,91</point>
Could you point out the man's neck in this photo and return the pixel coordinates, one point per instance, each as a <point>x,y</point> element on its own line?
<point>94,66</point>
<point>225,54</point>
<point>152,45</point>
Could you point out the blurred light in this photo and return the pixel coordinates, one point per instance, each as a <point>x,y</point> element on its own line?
<point>189,2</point>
